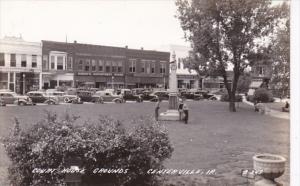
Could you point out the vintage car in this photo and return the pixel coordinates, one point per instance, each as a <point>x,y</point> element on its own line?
<point>106,96</point>
<point>64,97</point>
<point>148,96</point>
<point>163,95</point>
<point>194,95</point>
<point>2,103</point>
<point>13,98</point>
<point>42,97</point>
<point>85,95</point>
<point>129,96</point>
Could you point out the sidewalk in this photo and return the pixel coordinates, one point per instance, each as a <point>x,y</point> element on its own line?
<point>272,112</point>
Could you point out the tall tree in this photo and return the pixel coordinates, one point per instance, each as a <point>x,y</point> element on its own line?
<point>280,56</point>
<point>225,34</point>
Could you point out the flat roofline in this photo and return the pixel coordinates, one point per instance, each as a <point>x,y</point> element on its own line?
<point>115,47</point>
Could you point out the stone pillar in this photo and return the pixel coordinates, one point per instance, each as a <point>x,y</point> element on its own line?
<point>172,112</point>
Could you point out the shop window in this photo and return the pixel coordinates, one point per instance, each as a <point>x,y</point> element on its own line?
<point>2,59</point>
<point>12,60</point>
<point>23,60</point>
<point>34,61</point>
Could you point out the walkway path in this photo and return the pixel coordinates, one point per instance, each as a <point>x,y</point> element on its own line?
<point>271,112</point>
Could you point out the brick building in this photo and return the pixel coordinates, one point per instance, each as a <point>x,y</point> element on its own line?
<point>77,65</point>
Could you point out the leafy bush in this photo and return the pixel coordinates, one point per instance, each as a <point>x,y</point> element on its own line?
<point>263,95</point>
<point>225,97</point>
<point>54,143</point>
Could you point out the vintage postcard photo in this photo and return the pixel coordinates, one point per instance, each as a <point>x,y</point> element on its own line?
<point>145,93</point>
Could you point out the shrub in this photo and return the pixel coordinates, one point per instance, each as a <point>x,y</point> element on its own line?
<point>225,97</point>
<point>262,95</point>
<point>54,143</point>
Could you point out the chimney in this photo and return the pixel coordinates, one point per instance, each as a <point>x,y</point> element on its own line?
<point>142,48</point>
<point>75,41</point>
<point>126,46</point>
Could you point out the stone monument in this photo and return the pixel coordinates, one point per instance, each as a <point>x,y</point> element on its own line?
<point>172,113</point>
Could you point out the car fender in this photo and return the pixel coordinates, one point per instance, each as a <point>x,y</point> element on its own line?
<point>117,99</point>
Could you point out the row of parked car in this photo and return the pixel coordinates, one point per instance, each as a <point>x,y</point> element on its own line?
<point>80,95</point>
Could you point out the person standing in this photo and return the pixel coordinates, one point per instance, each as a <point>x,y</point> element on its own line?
<point>157,105</point>
<point>186,113</point>
<point>180,109</point>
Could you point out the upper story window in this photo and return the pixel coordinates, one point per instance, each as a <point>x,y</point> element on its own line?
<point>70,63</point>
<point>148,67</point>
<point>60,63</point>
<point>114,66</point>
<point>93,65</point>
<point>34,61</point>
<point>120,64</point>
<point>100,65</point>
<point>52,62</point>
<point>80,64</point>
<point>143,64</point>
<point>87,65</point>
<point>45,62</point>
<point>162,68</point>
<point>152,68</point>
<point>107,66</point>
<point>23,60</point>
<point>12,60</point>
<point>132,65</point>
<point>2,59</point>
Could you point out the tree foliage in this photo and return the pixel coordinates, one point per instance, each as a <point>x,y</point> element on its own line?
<point>54,143</point>
<point>226,34</point>
<point>280,56</point>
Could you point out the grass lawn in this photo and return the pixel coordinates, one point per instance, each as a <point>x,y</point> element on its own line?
<point>213,139</point>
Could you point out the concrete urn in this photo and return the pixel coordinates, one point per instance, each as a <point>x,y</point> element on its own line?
<point>271,166</point>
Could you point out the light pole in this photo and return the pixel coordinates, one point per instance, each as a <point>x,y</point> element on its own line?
<point>112,80</point>
<point>24,84</point>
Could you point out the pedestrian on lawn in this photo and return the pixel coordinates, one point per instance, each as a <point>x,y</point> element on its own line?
<point>186,113</point>
<point>180,109</point>
<point>157,106</point>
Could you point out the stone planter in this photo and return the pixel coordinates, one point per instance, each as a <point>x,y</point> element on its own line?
<point>271,167</point>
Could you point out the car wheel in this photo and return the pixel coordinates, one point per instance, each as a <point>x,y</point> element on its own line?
<point>21,103</point>
<point>118,101</point>
<point>67,100</point>
<point>51,103</point>
<point>99,100</point>
<point>214,98</point>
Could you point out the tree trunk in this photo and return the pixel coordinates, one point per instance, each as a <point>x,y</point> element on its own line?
<point>232,102</point>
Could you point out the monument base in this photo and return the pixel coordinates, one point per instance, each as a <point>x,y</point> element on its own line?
<point>170,115</point>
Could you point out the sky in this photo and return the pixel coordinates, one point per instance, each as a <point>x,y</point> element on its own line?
<point>145,23</point>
